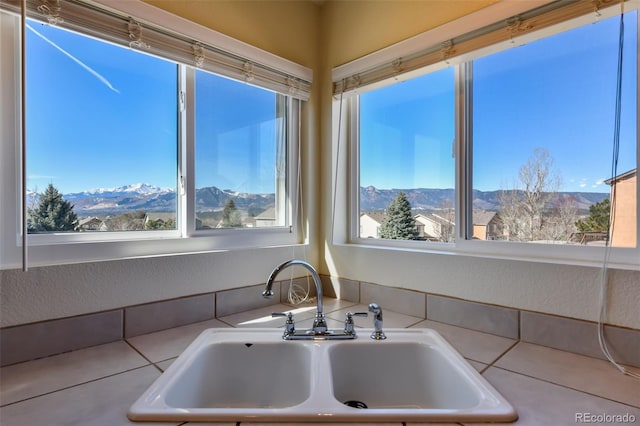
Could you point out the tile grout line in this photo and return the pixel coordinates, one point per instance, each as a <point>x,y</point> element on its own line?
<point>506,351</point>
<point>567,387</point>
<point>142,355</point>
<point>75,385</point>
<point>226,322</point>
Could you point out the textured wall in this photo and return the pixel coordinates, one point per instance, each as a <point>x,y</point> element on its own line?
<point>66,290</point>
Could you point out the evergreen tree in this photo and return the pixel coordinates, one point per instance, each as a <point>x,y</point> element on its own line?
<point>160,224</point>
<point>598,220</point>
<point>52,213</point>
<point>231,215</point>
<point>399,224</point>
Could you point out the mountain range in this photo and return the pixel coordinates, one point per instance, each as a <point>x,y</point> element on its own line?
<point>374,199</point>
<point>140,196</point>
<point>150,198</point>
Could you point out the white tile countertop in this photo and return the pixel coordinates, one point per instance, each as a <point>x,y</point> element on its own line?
<point>96,386</point>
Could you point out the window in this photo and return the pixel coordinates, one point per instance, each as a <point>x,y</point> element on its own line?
<point>240,154</point>
<point>531,122</point>
<point>102,132</point>
<point>142,140</point>
<point>406,138</point>
<point>543,119</point>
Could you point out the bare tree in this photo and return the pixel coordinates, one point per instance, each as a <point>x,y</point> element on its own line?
<point>560,224</point>
<point>523,207</point>
<point>511,214</point>
<point>448,216</point>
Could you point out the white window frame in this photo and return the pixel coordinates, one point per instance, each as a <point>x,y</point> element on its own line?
<point>67,248</point>
<point>346,109</point>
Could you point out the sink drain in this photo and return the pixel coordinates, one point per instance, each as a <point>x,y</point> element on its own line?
<point>356,404</point>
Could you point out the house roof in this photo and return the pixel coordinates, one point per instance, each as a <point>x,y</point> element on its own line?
<point>376,216</point>
<point>482,217</point>
<point>423,218</point>
<point>160,215</point>
<point>88,220</point>
<point>626,175</point>
<point>268,214</point>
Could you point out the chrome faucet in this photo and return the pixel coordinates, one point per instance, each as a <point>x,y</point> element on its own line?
<point>377,334</point>
<point>319,323</point>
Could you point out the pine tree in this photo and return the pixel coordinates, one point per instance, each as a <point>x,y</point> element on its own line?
<point>598,220</point>
<point>231,215</point>
<point>399,224</point>
<point>53,213</point>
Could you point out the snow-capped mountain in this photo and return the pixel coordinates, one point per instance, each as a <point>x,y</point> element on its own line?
<point>137,188</point>
<point>150,198</point>
<point>374,199</point>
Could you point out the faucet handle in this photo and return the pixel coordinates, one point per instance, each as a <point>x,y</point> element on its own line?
<point>289,324</point>
<point>377,334</point>
<point>349,324</point>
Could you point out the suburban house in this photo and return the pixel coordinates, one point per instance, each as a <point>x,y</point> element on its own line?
<point>487,225</point>
<point>438,227</point>
<point>266,218</point>
<point>370,224</point>
<point>91,224</point>
<point>624,188</point>
<point>433,227</point>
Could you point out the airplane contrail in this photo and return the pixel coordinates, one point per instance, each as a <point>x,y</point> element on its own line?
<point>76,60</point>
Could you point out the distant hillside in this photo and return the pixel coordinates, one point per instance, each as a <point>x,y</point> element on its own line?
<point>149,198</point>
<point>374,199</point>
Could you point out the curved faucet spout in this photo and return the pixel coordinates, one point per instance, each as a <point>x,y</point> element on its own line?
<point>319,324</point>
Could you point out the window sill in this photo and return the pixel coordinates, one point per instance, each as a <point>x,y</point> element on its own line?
<point>626,259</point>
<point>43,253</point>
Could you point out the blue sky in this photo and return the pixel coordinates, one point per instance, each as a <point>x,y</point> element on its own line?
<point>103,116</point>
<point>235,134</point>
<point>100,115</point>
<point>97,117</point>
<point>564,103</point>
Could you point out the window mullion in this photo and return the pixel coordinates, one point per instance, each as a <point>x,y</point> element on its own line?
<point>463,148</point>
<point>187,148</point>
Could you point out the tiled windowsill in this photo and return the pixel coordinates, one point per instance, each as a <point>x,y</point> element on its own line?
<point>96,386</point>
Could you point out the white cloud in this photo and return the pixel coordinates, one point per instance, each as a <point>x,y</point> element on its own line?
<point>90,70</point>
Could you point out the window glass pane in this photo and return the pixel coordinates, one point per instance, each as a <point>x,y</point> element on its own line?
<point>406,160</point>
<point>543,127</point>
<point>101,135</point>
<point>240,155</point>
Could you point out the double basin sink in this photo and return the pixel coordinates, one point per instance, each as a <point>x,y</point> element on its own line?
<point>252,374</point>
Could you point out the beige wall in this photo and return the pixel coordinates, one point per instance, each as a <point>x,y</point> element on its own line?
<point>352,28</point>
<point>624,227</point>
<point>286,28</point>
<point>480,232</point>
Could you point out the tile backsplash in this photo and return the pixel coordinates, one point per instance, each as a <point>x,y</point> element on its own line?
<point>38,340</point>
<point>477,316</point>
<point>150,317</point>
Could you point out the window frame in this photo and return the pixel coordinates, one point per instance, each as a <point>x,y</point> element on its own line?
<point>66,248</point>
<point>619,257</point>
